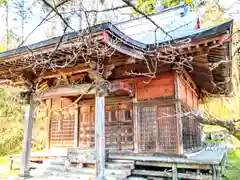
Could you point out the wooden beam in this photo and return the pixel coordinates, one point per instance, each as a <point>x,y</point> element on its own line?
<point>27,138</point>
<point>81,68</point>
<point>179,165</point>
<point>67,91</point>
<point>178,115</point>
<point>65,71</point>
<point>100,137</point>
<point>108,100</point>
<point>48,123</point>
<point>136,125</point>
<point>76,126</point>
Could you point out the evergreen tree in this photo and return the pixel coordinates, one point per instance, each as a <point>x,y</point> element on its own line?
<point>3,2</point>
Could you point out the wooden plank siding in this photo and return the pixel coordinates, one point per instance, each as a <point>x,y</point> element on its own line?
<point>162,86</point>
<point>191,131</point>
<point>188,94</point>
<point>62,124</point>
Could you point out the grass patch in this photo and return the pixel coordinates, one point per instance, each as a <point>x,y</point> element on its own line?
<point>4,160</point>
<point>233,168</point>
<point>4,168</point>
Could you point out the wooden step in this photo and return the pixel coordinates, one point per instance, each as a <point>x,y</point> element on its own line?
<point>114,165</point>
<point>122,161</point>
<point>54,161</point>
<point>72,175</point>
<point>121,173</point>
<point>44,167</point>
<point>136,178</point>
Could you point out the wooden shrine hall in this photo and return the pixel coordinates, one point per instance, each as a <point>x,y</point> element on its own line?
<point>123,99</point>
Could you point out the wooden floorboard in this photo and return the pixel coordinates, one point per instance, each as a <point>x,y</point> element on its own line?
<point>203,157</point>
<point>170,175</point>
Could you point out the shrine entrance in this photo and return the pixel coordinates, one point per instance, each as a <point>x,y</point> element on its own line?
<point>119,127</point>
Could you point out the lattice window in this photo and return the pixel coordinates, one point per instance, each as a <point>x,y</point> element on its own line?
<point>167,128</point>
<point>148,129</point>
<point>191,131</point>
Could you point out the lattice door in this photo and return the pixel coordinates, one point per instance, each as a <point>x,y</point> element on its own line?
<point>191,131</point>
<point>167,132</point>
<point>62,125</point>
<point>119,127</point>
<point>148,129</point>
<point>86,127</point>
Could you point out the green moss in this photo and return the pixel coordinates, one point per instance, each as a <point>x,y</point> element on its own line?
<point>211,141</point>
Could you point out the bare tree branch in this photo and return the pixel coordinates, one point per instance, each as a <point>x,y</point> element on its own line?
<point>60,15</point>
<point>147,17</point>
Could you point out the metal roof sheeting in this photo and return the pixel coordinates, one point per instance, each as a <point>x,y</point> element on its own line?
<point>172,21</point>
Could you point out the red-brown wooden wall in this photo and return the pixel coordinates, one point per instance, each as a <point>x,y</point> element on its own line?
<point>187,94</point>
<point>162,86</point>
<point>62,132</point>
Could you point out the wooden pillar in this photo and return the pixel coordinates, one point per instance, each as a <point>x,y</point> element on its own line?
<point>76,126</point>
<point>178,115</point>
<point>27,137</point>
<point>216,172</point>
<point>174,172</point>
<point>48,123</point>
<point>136,125</point>
<point>100,137</point>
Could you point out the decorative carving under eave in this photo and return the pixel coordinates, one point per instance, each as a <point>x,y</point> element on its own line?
<point>101,88</point>
<point>67,90</point>
<point>104,71</point>
<point>122,86</point>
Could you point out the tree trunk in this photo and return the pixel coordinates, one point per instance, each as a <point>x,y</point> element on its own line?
<point>230,125</point>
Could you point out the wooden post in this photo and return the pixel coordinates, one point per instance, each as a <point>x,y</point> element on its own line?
<point>26,148</point>
<point>174,172</point>
<point>135,123</point>
<point>48,123</point>
<point>178,115</point>
<point>100,137</point>
<point>76,126</point>
<point>214,173</point>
